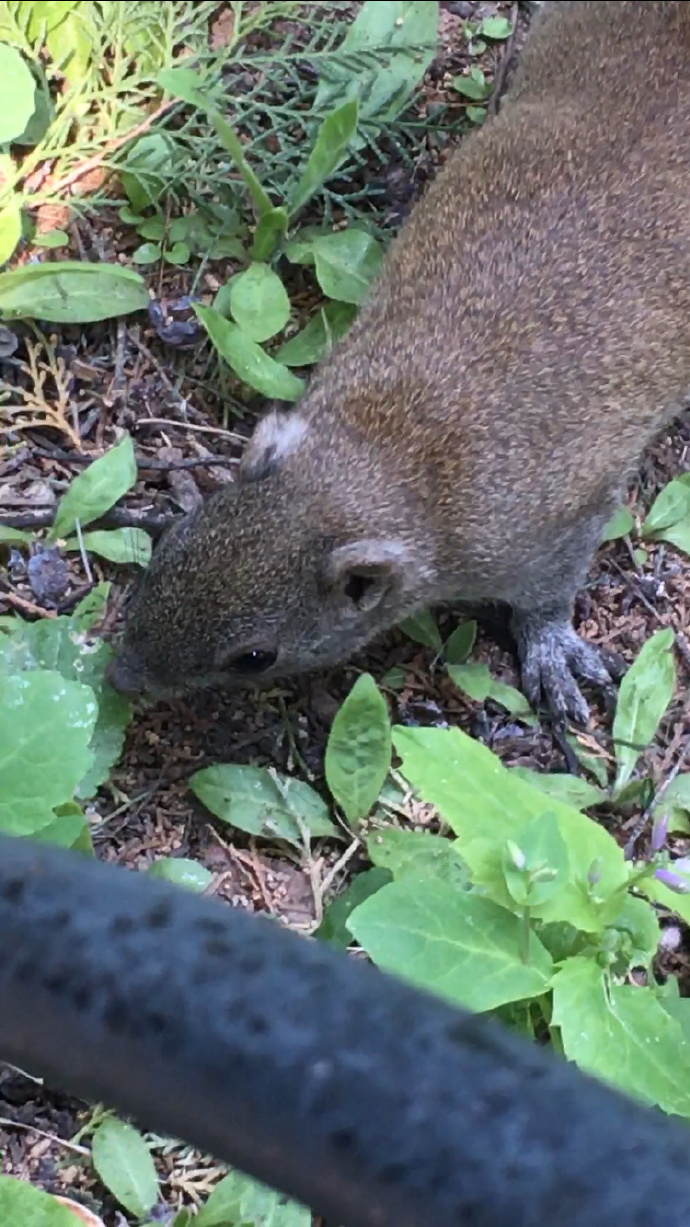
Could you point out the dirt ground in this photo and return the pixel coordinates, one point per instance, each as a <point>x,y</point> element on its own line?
<point>188,436</point>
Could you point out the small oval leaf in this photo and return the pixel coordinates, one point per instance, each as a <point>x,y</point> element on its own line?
<point>97,489</point>
<point>123,1162</point>
<point>247,359</point>
<point>259,302</point>
<point>358,752</point>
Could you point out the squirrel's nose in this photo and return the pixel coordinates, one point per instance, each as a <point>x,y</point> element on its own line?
<point>123,678</point>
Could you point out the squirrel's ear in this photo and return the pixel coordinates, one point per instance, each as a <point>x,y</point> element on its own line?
<point>277,436</point>
<point>366,571</point>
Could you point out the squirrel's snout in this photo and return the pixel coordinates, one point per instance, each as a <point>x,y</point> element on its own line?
<point>124,677</point>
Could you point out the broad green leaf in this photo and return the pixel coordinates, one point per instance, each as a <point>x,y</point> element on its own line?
<point>123,1162</point>
<point>232,144</point>
<point>10,228</point>
<point>670,509</point>
<point>66,646</point>
<point>147,169</point>
<point>421,628</point>
<point>178,254</point>
<point>623,1035</point>
<point>248,360</point>
<point>486,805</point>
<point>270,229</point>
<point>416,854</point>
<point>14,535</point>
<point>571,789</point>
<point>346,264</point>
<point>645,693</point>
<point>638,928</point>
<point>460,644</point>
<point>358,752</point>
<point>496,27</point>
<point>472,87</point>
<point>621,524</point>
<point>70,45</point>
<point>46,724</point>
<point>69,292</point>
<point>239,1201</point>
<point>300,248</point>
<point>259,302</point>
<point>334,136</point>
<point>51,239</point>
<point>405,36</point>
<point>17,93</point>
<point>333,928</point>
<point>536,866</point>
<point>263,802</point>
<point>45,15</point>
<point>23,1205</point>
<point>476,681</point>
<point>456,944</point>
<point>188,874</point>
<point>184,83</point>
<point>131,546</point>
<point>95,490</point>
<point>147,253</point>
<point>69,829</point>
<point>263,1207</point>
<point>316,339</point>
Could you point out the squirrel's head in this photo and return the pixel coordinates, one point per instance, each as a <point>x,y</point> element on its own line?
<point>274,575</point>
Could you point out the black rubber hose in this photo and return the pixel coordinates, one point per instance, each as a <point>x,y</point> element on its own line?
<point>372,1103</point>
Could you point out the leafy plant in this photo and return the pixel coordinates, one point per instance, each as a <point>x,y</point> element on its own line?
<point>668,519</point>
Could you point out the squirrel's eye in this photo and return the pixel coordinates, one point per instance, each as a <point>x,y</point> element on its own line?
<point>253,662</point>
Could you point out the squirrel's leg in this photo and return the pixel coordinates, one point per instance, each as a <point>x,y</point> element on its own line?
<point>553,658</point>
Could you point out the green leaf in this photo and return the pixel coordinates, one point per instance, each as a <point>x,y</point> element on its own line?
<point>70,45</point>
<point>45,15</point>
<point>10,229</point>
<point>123,1162</point>
<point>358,752</point>
<point>270,229</point>
<point>405,36</point>
<point>621,524</point>
<point>130,546</point>
<point>239,1201</point>
<point>188,874</point>
<point>96,489</point>
<point>147,253</point>
<point>46,724</point>
<point>476,681</point>
<point>23,1205</point>
<point>263,802</point>
<point>17,94</point>
<point>623,1035</point>
<point>232,144</point>
<point>416,854</point>
<point>571,789</point>
<point>637,927</point>
<point>346,264</point>
<point>333,928</point>
<point>536,867</point>
<point>486,805</point>
<point>471,87</point>
<point>670,510</point>
<point>334,136</point>
<point>317,337</point>
<point>147,169</point>
<point>178,254</point>
<point>68,830</point>
<point>497,28</point>
<point>460,644</point>
<point>51,239</point>
<point>645,693</point>
<point>456,944</point>
<point>259,302</point>
<point>12,535</point>
<point>66,646</point>
<point>247,359</point>
<point>421,628</point>
<point>71,293</point>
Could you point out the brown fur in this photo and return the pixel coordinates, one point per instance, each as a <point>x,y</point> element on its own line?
<point>527,337</point>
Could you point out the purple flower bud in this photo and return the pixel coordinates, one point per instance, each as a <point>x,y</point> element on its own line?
<point>594,874</point>
<point>659,832</point>
<point>680,886</point>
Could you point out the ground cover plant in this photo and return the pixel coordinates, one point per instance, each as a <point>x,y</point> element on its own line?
<point>217,181</point>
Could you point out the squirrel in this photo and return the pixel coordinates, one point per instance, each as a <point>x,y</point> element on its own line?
<point>470,436</point>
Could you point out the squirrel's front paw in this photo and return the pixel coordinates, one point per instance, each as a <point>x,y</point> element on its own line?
<point>553,656</point>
